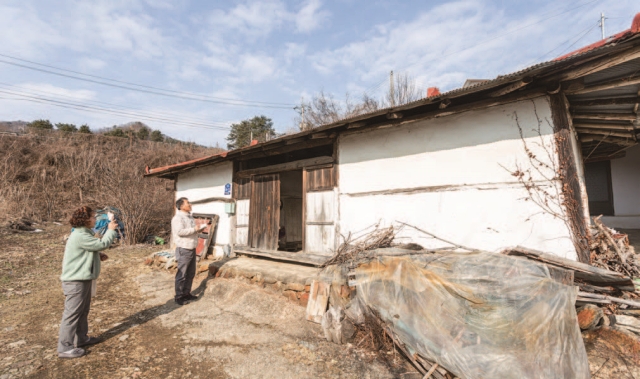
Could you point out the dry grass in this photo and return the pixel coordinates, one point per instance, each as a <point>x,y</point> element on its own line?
<point>44,177</point>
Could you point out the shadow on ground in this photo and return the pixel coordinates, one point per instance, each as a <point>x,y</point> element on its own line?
<point>149,314</point>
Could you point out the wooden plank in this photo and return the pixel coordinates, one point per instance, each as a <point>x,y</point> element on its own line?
<point>604,101</point>
<point>586,295</point>
<point>589,288</point>
<point>588,125</point>
<point>600,64</point>
<point>588,300</point>
<point>241,188</point>
<point>302,258</point>
<point>604,132</point>
<point>265,212</point>
<point>561,275</point>
<point>583,271</point>
<point>295,165</point>
<point>573,203</point>
<point>511,87</point>
<point>321,179</point>
<point>320,239</point>
<point>597,138</point>
<point>321,206</point>
<point>304,209</point>
<point>606,116</point>
<point>212,200</point>
<point>609,84</point>
<point>318,301</point>
<point>278,147</point>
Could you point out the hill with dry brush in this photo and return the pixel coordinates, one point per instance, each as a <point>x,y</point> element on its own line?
<point>44,176</point>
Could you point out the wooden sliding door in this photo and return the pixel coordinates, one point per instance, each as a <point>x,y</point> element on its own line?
<point>264,212</point>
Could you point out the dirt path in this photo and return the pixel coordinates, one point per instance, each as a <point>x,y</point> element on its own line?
<point>235,330</point>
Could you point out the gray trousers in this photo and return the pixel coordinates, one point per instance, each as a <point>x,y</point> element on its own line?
<point>186,259</point>
<point>74,325</point>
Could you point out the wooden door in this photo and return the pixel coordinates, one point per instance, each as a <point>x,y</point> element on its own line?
<point>264,212</point>
<point>242,194</point>
<point>320,214</point>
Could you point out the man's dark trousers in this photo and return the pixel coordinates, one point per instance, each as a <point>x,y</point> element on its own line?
<point>186,271</point>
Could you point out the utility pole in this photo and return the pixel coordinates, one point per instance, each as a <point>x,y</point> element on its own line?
<point>303,124</point>
<point>392,90</point>
<point>602,18</point>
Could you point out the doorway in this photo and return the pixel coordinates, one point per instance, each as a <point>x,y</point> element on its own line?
<point>290,231</point>
<point>599,189</point>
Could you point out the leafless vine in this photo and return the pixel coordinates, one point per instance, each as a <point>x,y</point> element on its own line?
<point>553,192</point>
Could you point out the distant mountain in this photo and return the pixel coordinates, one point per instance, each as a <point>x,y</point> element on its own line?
<point>13,126</point>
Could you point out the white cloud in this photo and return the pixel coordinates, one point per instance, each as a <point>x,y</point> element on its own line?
<point>91,64</point>
<point>25,34</point>
<point>256,68</point>
<point>49,90</point>
<point>310,17</point>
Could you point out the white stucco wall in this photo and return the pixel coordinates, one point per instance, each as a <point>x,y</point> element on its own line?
<point>458,167</point>
<point>206,182</point>
<point>625,181</point>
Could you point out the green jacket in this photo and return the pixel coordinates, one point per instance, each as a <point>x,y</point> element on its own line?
<point>82,254</point>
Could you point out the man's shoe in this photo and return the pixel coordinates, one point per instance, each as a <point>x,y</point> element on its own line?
<point>182,301</point>
<point>75,353</point>
<point>191,297</point>
<point>90,341</point>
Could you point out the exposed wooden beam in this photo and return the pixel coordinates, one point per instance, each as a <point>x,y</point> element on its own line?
<point>512,87</point>
<point>588,138</point>
<point>609,84</point>
<point>606,157</point>
<point>320,135</point>
<point>289,166</point>
<point>601,63</point>
<point>282,148</point>
<point>586,125</point>
<point>294,141</point>
<point>444,103</point>
<point>606,116</point>
<point>606,133</point>
<point>354,125</point>
<point>609,101</point>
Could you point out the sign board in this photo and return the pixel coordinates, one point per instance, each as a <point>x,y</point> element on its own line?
<point>227,189</point>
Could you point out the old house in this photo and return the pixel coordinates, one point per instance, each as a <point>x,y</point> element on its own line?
<point>523,159</point>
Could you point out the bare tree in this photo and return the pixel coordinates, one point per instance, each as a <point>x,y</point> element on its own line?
<point>404,91</point>
<point>325,109</point>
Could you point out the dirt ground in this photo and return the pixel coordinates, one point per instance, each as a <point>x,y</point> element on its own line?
<point>235,329</point>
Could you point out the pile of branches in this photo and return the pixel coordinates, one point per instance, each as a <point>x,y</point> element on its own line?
<point>354,250</point>
<point>611,250</point>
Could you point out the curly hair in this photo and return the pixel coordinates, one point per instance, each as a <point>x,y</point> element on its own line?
<point>81,217</point>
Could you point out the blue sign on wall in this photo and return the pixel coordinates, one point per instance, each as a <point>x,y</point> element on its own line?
<point>227,189</point>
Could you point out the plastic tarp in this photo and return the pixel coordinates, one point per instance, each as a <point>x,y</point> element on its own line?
<point>479,315</point>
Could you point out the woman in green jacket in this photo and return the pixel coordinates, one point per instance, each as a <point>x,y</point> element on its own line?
<point>80,267</point>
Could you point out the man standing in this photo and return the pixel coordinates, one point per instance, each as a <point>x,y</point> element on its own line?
<point>185,236</point>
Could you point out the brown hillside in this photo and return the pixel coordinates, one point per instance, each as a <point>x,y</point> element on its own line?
<point>45,176</point>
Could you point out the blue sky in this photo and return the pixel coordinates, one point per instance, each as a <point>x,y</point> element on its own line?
<point>271,51</point>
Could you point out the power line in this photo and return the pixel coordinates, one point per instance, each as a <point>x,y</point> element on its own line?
<point>509,32</point>
<point>145,89</point>
<point>155,113</point>
<point>582,33</point>
<point>83,107</point>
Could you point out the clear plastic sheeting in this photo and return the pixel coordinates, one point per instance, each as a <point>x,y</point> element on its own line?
<point>479,315</point>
